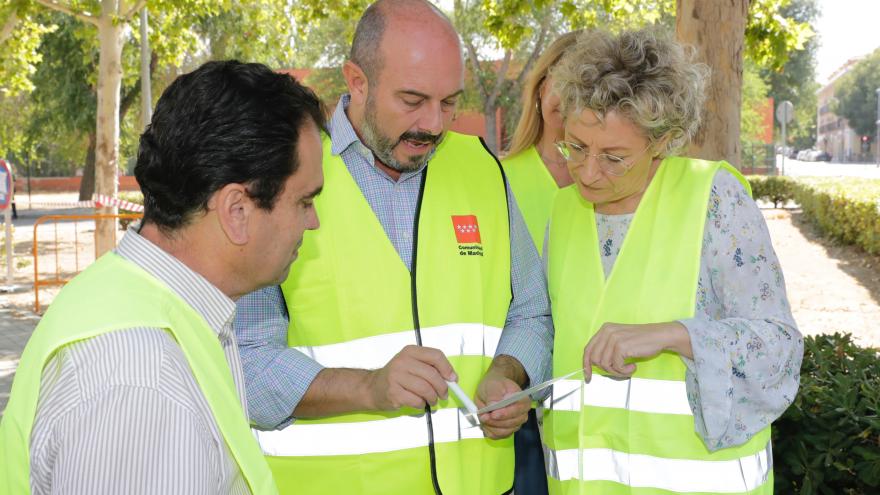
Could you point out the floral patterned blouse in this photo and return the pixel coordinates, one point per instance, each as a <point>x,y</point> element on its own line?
<point>747,348</point>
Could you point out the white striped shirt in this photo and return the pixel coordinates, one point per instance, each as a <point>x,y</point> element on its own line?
<point>122,412</point>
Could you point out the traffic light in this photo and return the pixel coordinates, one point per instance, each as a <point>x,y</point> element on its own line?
<point>864,139</point>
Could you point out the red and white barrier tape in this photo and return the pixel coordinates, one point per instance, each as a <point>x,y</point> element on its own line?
<point>101,200</point>
<point>60,204</point>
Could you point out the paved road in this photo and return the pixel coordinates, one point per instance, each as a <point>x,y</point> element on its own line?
<point>795,168</point>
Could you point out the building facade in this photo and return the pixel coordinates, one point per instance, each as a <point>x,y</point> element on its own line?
<point>833,133</point>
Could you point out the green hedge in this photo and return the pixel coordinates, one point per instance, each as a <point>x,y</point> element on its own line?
<point>844,208</point>
<point>131,197</point>
<point>828,441</point>
<point>775,189</point>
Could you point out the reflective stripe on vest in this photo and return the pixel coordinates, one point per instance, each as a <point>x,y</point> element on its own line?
<point>349,297</point>
<point>110,295</point>
<point>634,394</point>
<point>456,339</point>
<point>534,189</point>
<point>678,475</point>
<point>367,437</point>
<point>637,432</point>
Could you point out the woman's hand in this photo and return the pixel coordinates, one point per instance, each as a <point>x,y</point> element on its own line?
<point>614,343</point>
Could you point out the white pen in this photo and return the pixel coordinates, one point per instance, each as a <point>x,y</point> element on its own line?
<point>463,398</point>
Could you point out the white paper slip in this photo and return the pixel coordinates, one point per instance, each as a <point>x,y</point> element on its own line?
<point>525,393</point>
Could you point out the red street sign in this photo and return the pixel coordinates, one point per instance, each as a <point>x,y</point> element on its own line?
<point>5,185</point>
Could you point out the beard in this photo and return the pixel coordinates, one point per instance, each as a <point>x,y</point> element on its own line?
<point>383,146</point>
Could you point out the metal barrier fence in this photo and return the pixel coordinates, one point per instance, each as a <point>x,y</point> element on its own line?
<point>58,279</point>
<point>758,158</point>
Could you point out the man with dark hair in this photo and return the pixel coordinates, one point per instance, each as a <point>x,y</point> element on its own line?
<point>422,274</point>
<point>132,381</point>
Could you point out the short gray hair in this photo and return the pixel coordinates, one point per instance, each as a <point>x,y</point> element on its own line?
<point>644,75</point>
<point>365,47</point>
<point>367,40</point>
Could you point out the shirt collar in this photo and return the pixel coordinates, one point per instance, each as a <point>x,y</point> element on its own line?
<point>342,134</point>
<point>213,305</point>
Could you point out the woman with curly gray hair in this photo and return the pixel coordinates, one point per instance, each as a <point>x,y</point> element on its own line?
<point>664,287</point>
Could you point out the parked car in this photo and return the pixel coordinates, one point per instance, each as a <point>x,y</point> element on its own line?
<point>803,154</point>
<point>784,150</point>
<point>792,153</point>
<point>820,156</point>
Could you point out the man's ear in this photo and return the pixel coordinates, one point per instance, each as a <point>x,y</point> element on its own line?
<point>357,83</point>
<point>234,208</point>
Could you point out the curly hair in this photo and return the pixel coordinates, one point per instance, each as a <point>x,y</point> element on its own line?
<point>643,75</point>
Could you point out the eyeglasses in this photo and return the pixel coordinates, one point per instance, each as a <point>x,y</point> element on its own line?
<point>610,164</point>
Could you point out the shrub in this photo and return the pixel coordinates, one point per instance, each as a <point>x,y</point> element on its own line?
<point>828,441</point>
<point>775,189</point>
<point>845,209</point>
<point>132,197</point>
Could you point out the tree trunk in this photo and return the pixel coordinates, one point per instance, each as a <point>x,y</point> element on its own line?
<point>107,131</point>
<point>9,26</point>
<point>489,112</point>
<point>716,29</point>
<point>87,185</point>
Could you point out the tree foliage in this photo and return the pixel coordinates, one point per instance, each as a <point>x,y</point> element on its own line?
<point>502,37</point>
<point>15,117</point>
<point>63,101</point>
<point>252,31</point>
<point>323,46</point>
<point>773,33</point>
<point>19,40</point>
<point>856,94</point>
<point>314,34</point>
<point>616,15</point>
<point>49,64</point>
<point>754,99</point>
<point>182,32</point>
<point>795,81</point>
<point>310,12</point>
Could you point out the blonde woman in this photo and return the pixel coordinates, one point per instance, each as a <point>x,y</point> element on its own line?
<point>533,165</point>
<point>664,287</point>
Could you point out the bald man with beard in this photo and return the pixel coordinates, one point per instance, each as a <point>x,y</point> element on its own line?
<point>423,273</point>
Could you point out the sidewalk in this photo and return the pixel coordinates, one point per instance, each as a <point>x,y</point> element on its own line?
<point>831,287</point>
<point>17,319</point>
<point>15,329</point>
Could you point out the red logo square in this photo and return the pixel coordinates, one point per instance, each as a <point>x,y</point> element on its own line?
<point>467,231</point>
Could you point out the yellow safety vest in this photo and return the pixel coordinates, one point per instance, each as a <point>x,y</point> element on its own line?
<point>534,189</point>
<point>110,295</point>
<point>636,436</point>
<point>350,300</point>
